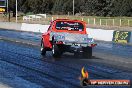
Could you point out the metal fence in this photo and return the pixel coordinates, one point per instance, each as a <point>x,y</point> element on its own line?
<point>107,21</point>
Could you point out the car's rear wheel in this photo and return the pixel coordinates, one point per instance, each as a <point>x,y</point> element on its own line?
<point>77,54</point>
<point>87,52</point>
<point>56,52</point>
<point>43,50</point>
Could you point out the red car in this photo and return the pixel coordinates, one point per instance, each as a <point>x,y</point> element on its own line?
<point>64,35</point>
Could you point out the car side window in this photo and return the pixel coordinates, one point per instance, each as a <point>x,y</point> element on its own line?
<point>50,27</point>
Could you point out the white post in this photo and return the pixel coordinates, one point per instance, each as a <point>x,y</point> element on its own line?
<point>73,7</point>
<point>7,10</point>
<point>68,13</point>
<point>52,18</point>
<point>106,22</point>
<point>35,18</point>
<point>7,5</point>
<point>100,22</point>
<point>94,21</point>
<point>128,22</point>
<point>113,22</point>
<point>82,19</point>
<point>88,20</point>
<point>120,22</point>
<point>16,11</point>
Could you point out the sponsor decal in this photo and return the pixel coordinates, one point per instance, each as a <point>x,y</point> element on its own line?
<point>121,36</point>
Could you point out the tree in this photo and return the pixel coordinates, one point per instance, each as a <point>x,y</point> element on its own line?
<point>122,8</point>
<point>89,7</point>
<point>58,6</point>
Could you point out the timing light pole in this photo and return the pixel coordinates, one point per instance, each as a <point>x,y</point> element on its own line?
<point>16,11</point>
<point>73,7</point>
<point>7,5</point>
<point>7,10</point>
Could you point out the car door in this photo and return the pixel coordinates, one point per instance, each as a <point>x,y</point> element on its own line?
<point>46,38</point>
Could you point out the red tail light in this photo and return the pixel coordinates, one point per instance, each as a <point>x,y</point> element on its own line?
<point>93,45</point>
<point>59,42</point>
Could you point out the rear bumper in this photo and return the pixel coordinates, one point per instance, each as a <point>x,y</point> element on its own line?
<point>72,47</point>
<point>92,44</point>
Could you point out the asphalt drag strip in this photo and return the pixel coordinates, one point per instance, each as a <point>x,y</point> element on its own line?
<point>22,66</point>
<point>23,63</point>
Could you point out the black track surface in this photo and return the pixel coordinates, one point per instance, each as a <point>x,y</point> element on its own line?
<point>22,66</point>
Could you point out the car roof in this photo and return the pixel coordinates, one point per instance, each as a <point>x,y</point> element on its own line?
<point>68,20</point>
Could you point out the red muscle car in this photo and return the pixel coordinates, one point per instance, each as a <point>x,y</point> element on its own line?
<point>64,35</point>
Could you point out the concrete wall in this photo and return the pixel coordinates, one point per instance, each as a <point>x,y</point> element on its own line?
<point>99,34</point>
<point>10,25</point>
<point>34,27</point>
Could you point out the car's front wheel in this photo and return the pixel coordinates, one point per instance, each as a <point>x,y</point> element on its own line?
<point>87,52</point>
<point>43,50</point>
<point>56,52</point>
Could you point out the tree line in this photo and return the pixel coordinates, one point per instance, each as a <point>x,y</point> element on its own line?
<point>83,7</point>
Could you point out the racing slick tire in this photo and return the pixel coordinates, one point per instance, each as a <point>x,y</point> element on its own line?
<point>43,50</point>
<point>76,54</point>
<point>87,52</point>
<point>56,52</point>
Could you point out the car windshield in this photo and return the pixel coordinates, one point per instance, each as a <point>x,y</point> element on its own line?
<point>69,25</point>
